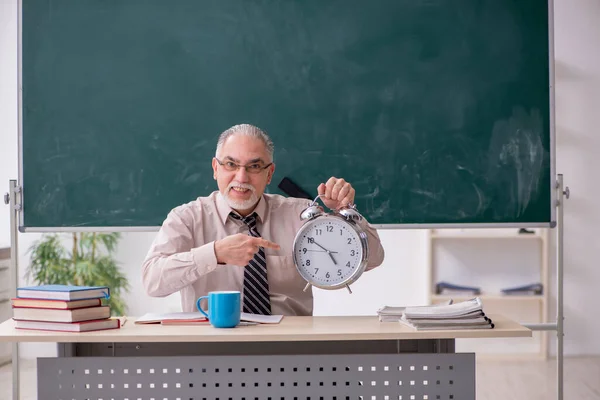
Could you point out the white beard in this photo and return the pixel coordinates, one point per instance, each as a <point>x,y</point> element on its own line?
<point>241,205</point>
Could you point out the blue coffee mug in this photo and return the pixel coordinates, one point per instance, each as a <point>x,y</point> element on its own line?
<point>223,308</point>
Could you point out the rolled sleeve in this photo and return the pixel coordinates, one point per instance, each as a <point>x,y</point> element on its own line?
<point>173,262</point>
<point>376,252</point>
<point>204,258</point>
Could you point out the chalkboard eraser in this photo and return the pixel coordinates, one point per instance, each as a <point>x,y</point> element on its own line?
<point>526,231</point>
<point>288,187</point>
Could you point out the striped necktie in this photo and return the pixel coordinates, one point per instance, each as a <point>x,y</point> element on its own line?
<point>256,285</point>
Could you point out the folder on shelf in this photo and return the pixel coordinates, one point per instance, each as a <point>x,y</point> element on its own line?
<point>532,289</point>
<point>450,288</point>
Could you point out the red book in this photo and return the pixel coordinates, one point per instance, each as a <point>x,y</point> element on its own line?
<point>58,315</point>
<point>55,304</point>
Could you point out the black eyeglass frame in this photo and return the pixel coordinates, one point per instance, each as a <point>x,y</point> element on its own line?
<point>238,166</point>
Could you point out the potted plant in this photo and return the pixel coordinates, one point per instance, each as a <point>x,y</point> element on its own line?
<point>89,262</point>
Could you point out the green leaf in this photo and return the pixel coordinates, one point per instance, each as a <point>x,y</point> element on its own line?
<point>53,263</point>
<point>109,240</point>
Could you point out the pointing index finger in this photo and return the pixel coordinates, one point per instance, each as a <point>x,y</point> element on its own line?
<point>265,243</point>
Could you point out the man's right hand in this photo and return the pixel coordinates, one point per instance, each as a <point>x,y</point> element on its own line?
<point>239,249</point>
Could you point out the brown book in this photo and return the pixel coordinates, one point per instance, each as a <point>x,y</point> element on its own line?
<point>52,315</point>
<point>87,326</point>
<point>55,304</point>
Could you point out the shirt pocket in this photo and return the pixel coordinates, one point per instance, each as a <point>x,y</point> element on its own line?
<point>283,276</point>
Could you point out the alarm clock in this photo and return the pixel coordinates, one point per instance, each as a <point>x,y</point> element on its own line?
<point>331,249</point>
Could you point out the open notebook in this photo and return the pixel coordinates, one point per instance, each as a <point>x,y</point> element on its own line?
<point>195,318</point>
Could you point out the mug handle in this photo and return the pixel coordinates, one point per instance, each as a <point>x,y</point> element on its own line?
<point>200,308</point>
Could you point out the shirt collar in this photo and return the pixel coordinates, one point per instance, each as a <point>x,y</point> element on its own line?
<point>223,208</point>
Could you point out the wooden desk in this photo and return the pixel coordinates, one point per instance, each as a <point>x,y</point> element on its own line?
<point>302,357</point>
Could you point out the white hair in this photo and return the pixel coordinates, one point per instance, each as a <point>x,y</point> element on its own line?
<point>247,130</point>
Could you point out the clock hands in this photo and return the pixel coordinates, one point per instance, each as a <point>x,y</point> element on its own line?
<point>332,259</point>
<point>320,246</point>
<point>328,252</point>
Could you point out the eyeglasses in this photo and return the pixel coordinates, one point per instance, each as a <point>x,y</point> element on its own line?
<point>254,168</point>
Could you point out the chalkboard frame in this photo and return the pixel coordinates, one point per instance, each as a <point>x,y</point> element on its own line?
<point>552,161</point>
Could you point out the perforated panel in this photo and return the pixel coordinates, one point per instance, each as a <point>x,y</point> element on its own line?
<point>306,377</point>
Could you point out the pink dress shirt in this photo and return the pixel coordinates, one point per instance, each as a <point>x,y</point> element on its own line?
<point>182,256</point>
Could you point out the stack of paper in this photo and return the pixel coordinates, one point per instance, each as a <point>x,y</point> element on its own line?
<point>393,314</point>
<point>261,319</point>
<point>463,315</point>
<point>390,314</point>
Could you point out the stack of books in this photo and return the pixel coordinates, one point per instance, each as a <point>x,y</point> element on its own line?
<point>467,314</point>
<point>63,308</point>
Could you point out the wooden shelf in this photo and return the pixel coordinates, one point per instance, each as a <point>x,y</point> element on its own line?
<point>477,236</point>
<point>494,241</point>
<point>491,297</point>
<point>5,360</point>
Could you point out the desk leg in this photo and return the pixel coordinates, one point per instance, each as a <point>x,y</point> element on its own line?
<point>16,381</point>
<point>66,349</point>
<point>15,207</point>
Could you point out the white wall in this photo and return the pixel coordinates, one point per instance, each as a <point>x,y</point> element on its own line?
<point>402,278</point>
<point>577,54</point>
<point>8,108</point>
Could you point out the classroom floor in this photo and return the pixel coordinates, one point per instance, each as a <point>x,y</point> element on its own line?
<point>496,380</point>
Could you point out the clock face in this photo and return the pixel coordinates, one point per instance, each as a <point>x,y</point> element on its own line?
<point>327,251</point>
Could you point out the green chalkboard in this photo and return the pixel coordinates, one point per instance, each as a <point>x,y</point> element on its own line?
<point>438,111</point>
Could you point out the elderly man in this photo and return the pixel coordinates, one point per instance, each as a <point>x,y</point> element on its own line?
<point>239,238</point>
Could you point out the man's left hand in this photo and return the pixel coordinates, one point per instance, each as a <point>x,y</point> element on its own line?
<point>336,193</point>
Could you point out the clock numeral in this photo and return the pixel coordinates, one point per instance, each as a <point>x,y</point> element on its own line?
<point>304,250</point>
<point>348,264</point>
<point>352,252</point>
<point>349,240</point>
<point>340,232</point>
<point>329,228</point>
<point>308,262</point>
<point>339,272</point>
<point>327,275</point>
<point>316,270</point>
<point>311,240</point>
<point>318,232</point>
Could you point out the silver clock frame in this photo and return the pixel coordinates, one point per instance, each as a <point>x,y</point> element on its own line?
<point>362,235</point>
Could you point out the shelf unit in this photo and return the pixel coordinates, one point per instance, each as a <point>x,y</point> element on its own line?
<point>5,305</point>
<point>475,257</point>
